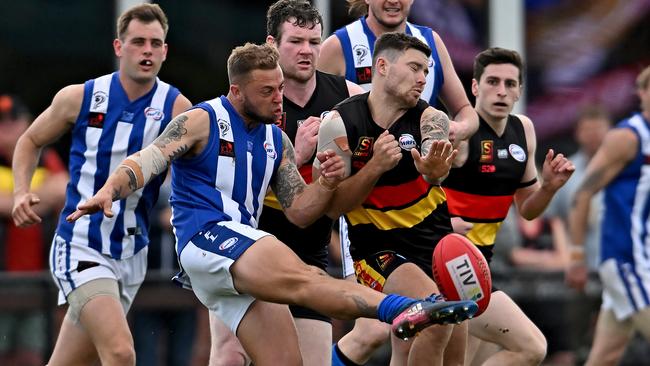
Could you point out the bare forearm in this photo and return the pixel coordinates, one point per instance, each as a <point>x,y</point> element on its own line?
<point>26,155</point>
<point>467,121</point>
<point>309,205</point>
<point>578,217</point>
<point>536,203</point>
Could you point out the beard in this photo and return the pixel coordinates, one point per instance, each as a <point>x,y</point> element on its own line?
<point>250,112</point>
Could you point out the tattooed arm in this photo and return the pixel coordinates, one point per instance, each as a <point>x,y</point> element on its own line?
<point>303,204</point>
<point>618,149</point>
<point>437,153</point>
<point>184,135</point>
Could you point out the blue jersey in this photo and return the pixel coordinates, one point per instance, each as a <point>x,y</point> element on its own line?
<point>358,43</point>
<point>627,204</point>
<point>108,129</point>
<point>229,179</point>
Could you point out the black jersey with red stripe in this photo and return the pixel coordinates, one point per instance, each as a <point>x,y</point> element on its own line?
<point>481,191</point>
<point>403,212</point>
<point>309,243</point>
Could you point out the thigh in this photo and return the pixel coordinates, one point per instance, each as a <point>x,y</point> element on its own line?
<point>268,335</point>
<point>505,324</point>
<point>225,348</point>
<point>73,265</point>
<point>73,346</point>
<point>315,340</point>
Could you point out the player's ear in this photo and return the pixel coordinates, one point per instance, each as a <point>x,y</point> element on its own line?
<point>381,65</point>
<point>475,87</point>
<point>271,40</point>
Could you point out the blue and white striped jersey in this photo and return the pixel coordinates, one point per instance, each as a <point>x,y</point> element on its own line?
<point>108,129</point>
<point>358,43</point>
<point>626,224</point>
<point>229,179</point>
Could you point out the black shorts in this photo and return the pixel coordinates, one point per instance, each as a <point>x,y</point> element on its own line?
<point>306,313</point>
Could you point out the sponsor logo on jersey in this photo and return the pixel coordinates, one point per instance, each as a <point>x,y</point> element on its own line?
<point>228,243</point>
<point>465,280</point>
<point>360,53</point>
<point>364,74</point>
<point>270,150</point>
<point>322,115</point>
<point>226,148</point>
<point>224,128</point>
<point>96,120</point>
<point>99,97</point>
<point>488,168</point>
<point>517,152</point>
<point>487,150</point>
<point>407,142</point>
<point>154,113</point>
<point>502,153</point>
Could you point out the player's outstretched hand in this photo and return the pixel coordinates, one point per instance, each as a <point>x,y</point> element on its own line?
<point>437,162</point>
<point>557,169</point>
<point>102,201</point>
<point>22,212</point>
<point>332,169</point>
<point>386,152</point>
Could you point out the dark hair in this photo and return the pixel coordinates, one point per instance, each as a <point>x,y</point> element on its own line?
<point>244,59</point>
<point>146,13</point>
<point>300,12</point>
<point>497,55</point>
<point>357,8</point>
<point>393,44</point>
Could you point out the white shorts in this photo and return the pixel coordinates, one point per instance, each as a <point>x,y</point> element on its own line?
<point>347,263</point>
<point>626,288</point>
<point>73,264</point>
<point>206,260</point>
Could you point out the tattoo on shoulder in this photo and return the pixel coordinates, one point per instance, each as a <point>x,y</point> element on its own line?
<point>173,132</point>
<point>288,152</point>
<point>434,125</point>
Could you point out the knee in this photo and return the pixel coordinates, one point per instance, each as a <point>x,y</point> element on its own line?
<point>122,354</point>
<point>372,337</point>
<point>535,351</point>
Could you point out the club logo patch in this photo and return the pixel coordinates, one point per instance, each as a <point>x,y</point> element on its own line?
<point>364,74</point>
<point>487,149</point>
<point>364,147</point>
<point>407,142</point>
<point>517,152</point>
<point>99,97</point>
<point>360,53</point>
<point>224,128</point>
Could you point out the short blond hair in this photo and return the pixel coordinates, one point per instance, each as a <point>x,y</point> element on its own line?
<point>244,59</point>
<point>643,79</point>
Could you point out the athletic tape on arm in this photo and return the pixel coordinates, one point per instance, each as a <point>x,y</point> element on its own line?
<point>332,135</point>
<point>147,163</point>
